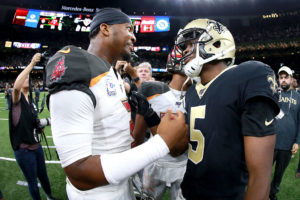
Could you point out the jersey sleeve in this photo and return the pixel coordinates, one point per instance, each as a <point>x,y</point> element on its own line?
<point>258,117</point>
<point>260,82</point>
<point>72,125</point>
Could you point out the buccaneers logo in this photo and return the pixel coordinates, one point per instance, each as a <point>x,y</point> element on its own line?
<point>59,70</point>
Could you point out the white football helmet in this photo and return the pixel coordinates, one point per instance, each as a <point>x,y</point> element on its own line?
<point>211,41</point>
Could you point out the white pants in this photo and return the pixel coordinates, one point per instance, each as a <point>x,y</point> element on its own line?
<point>156,179</point>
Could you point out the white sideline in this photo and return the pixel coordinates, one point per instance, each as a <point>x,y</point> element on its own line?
<point>50,147</point>
<point>47,161</point>
<point>24,183</point>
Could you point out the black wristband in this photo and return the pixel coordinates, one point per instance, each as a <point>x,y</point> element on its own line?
<point>152,120</point>
<point>136,79</point>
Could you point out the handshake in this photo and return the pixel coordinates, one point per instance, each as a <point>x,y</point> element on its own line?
<point>172,127</point>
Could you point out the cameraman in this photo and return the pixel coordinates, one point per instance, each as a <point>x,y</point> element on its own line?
<point>23,124</point>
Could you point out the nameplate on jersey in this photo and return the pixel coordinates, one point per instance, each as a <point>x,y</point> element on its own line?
<point>126,105</point>
<point>111,88</point>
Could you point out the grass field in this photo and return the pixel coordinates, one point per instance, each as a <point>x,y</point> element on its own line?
<point>11,173</point>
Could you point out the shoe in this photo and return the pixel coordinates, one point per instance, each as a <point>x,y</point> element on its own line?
<point>51,198</point>
<point>298,175</point>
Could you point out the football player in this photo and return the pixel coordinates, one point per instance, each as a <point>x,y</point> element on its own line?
<point>169,170</point>
<point>90,113</point>
<point>230,114</point>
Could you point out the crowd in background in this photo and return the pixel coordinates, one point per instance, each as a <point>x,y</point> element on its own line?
<point>278,38</point>
<point>279,34</point>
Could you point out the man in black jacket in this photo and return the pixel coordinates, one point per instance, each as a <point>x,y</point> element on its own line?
<point>287,127</point>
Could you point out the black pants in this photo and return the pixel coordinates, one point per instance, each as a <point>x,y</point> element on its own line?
<point>282,159</point>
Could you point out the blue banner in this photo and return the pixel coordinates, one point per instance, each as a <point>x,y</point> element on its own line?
<point>162,24</point>
<point>32,18</point>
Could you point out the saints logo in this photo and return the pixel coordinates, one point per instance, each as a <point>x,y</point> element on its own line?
<point>217,26</point>
<point>273,84</point>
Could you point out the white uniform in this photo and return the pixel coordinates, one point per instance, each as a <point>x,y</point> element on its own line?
<point>75,137</point>
<point>167,171</point>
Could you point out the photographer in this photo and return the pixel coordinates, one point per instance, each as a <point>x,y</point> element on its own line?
<point>24,128</point>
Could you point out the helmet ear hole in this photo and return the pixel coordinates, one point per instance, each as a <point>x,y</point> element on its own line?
<point>217,44</point>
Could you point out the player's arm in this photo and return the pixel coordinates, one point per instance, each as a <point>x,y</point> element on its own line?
<point>16,93</point>
<point>181,146</point>
<point>152,120</point>
<point>133,74</point>
<point>259,142</point>
<point>141,106</point>
<point>72,131</point>
<point>139,130</point>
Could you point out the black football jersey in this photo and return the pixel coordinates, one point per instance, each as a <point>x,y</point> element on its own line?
<point>216,167</point>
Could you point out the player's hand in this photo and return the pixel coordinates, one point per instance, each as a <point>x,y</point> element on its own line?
<point>36,58</point>
<point>295,148</point>
<point>120,64</point>
<point>172,128</point>
<point>130,70</point>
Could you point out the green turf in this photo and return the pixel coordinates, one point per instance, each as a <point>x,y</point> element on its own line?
<point>11,173</point>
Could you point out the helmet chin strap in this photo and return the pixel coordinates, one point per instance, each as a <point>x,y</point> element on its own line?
<point>181,90</point>
<point>194,67</point>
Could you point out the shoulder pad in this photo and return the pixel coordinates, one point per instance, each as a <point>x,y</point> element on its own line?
<point>150,88</point>
<point>255,68</point>
<point>73,68</point>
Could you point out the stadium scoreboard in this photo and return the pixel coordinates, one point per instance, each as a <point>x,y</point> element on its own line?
<point>80,22</point>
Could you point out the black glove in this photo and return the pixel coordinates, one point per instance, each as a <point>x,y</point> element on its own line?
<point>140,103</point>
<point>143,108</point>
<point>133,105</point>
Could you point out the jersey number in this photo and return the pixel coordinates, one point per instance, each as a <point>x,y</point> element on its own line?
<point>196,135</point>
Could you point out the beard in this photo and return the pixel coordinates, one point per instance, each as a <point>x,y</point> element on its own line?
<point>285,87</point>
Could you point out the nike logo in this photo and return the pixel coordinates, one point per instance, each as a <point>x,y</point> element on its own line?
<point>65,51</point>
<point>267,123</point>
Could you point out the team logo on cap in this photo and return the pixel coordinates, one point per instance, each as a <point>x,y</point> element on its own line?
<point>59,70</point>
